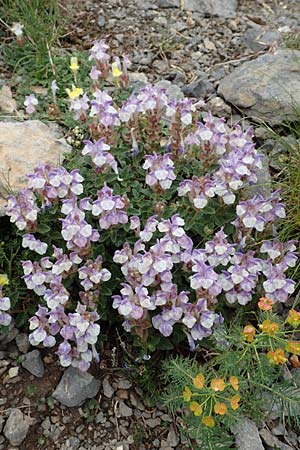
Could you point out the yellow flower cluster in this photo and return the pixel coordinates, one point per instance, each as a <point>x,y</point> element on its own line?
<point>3,279</point>
<point>293,318</point>
<point>210,391</point>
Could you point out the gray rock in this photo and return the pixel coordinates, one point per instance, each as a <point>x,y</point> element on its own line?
<point>11,333</point>
<point>267,88</point>
<point>258,38</point>
<point>221,8</point>
<point>124,410</point>
<point>75,387</point>
<point>273,441</point>
<point>246,435</point>
<point>264,181</point>
<point>16,427</point>
<point>199,88</point>
<point>34,364</point>
<point>22,342</point>
<point>108,390</point>
<point>2,420</point>
<point>101,21</point>
<point>172,438</point>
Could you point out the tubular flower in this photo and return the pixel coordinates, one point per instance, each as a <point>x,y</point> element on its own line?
<point>187,394</point>
<point>74,65</point>
<point>217,384</point>
<point>116,71</point>
<point>208,421</point>
<point>277,356</point>
<point>294,318</point>
<point>199,381</point>
<point>74,93</point>
<point>269,327</point>
<point>234,401</point>
<point>265,304</point>
<point>220,408</point>
<point>234,381</point>
<point>293,347</point>
<point>196,408</point>
<point>249,333</point>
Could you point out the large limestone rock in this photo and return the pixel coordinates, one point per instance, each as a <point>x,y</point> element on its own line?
<point>22,146</point>
<point>221,8</point>
<point>266,88</point>
<point>8,104</point>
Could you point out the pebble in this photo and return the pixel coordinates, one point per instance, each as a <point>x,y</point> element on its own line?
<point>34,364</point>
<point>108,390</point>
<point>124,410</point>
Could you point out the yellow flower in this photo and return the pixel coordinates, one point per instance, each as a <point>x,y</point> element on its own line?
<point>187,394</point>
<point>217,384</point>
<point>74,65</point>
<point>220,408</point>
<point>75,93</point>
<point>234,381</point>
<point>293,347</point>
<point>208,421</point>
<point>116,70</point>
<point>269,327</point>
<point>199,381</point>
<point>249,332</point>
<point>196,408</point>
<point>293,318</point>
<point>234,402</point>
<point>277,356</point>
<point>3,279</point>
<point>265,304</point>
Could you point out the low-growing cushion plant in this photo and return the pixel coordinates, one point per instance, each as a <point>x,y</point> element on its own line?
<point>151,223</point>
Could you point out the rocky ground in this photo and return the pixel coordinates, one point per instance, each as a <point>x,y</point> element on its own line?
<point>225,51</point>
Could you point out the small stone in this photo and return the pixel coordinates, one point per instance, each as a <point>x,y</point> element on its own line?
<point>75,387</point>
<point>247,436</point>
<point>7,103</point>
<point>108,390</point>
<point>123,394</point>
<point>74,443</point>
<point>101,21</point>
<point>173,91</point>
<point>199,88</point>
<point>22,342</point>
<point>13,372</point>
<point>34,364</point>
<point>123,383</point>
<point>16,427</point>
<point>172,438</point>
<point>124,410</point>
<point>209,45</point>
<point>153,423</point>
<point>273,441</point>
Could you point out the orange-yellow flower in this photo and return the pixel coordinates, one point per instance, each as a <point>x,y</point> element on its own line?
<point>265,304</point>
<point>234,401</point>
<point>234,381</point>
<point>277,356</point>
<point>199,381</point>
<point>196,408</point>
<point>293,347</point>
<point>187,394</point>
<point>217,384</point>
<point>293,318</point>
<point>208,421</point>
<point>220,408</point>
<point>269,327</point>
<point>249,333</point>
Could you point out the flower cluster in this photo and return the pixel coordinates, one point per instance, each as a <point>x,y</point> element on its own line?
<point>160,171</point>
<point>205,397</point>
<point>101,157</point>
